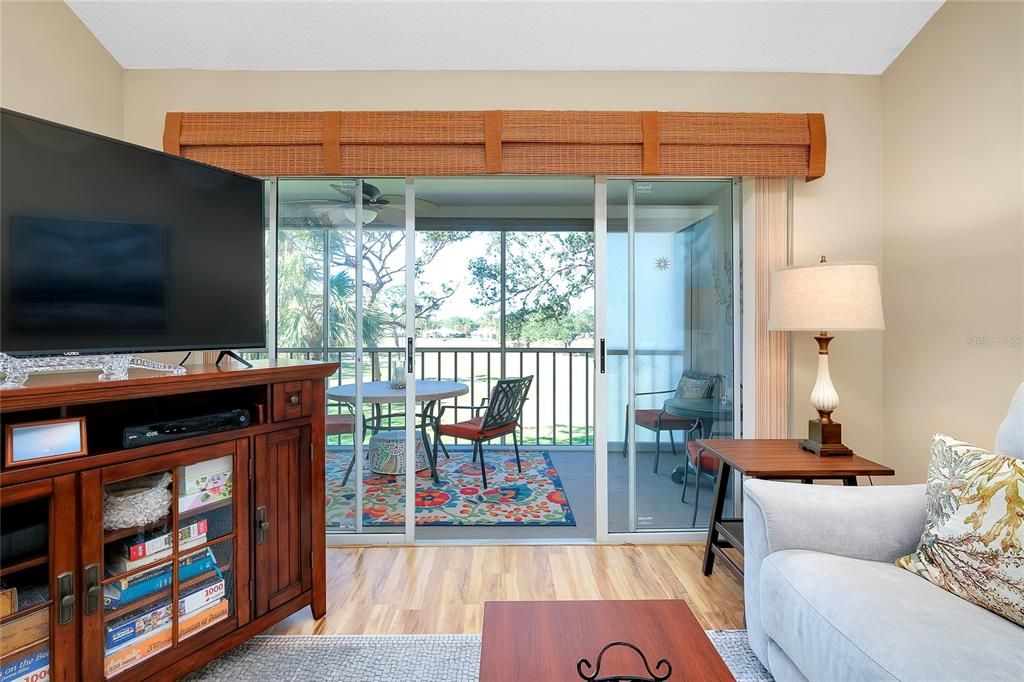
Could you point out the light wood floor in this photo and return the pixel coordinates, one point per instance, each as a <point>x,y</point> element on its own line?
<point>442,589</point>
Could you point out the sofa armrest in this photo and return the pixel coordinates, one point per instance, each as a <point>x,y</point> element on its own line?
<point>878,523</point>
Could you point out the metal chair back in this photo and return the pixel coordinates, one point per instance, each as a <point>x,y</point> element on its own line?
<point>506,403</point>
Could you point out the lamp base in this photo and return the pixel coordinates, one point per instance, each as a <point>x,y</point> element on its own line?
<point>825,439</point>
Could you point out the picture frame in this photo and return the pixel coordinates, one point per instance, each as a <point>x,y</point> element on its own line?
<point>44,441</point>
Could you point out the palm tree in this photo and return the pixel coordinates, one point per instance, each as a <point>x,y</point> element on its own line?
<point>300,298</point>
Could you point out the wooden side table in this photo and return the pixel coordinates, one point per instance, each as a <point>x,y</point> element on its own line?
<point>779,459</point>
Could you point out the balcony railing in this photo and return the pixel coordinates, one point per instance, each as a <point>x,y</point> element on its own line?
<point>559,408</point>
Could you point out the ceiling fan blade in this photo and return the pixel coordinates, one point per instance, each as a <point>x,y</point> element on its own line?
<point>421,204</point>
<point>349,197</point>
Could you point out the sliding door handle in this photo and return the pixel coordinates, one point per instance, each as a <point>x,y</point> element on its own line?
<point>602,354</point>
<point>408,355</point>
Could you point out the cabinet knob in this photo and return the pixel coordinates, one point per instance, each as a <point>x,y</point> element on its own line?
<point>294,400</point>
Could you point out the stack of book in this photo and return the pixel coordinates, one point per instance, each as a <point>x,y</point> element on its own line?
<point>137,650</point>
<point>132,555</point>
<point>146,631</point>
<point>123,592</point>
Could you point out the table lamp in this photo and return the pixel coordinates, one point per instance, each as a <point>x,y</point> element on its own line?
<point>833,297</point>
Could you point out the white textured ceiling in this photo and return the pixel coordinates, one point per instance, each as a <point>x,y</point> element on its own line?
<point>814,36</point>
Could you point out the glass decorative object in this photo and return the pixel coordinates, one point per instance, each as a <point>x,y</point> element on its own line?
<point>110,367</point>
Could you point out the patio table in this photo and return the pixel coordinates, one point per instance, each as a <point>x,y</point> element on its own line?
<point>429,392</point>
<point>705,411</point>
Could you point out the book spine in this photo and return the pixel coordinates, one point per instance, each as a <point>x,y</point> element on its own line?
<point>117,597</point>
<point>163,542</point>
<point>189,571</point>
<point>30,668</point>
<point>149,547</point>
<point>142,624</point>
<point>125,583</point>
<point>137,651</point>
<point>125,564</point>
<point>202,619</point>
<point>188,533</point>
<point>200,598</point>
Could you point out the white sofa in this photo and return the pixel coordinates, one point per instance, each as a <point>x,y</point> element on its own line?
<point>825,601</point>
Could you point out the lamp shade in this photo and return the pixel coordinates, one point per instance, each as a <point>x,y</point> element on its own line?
<point>826,297</point>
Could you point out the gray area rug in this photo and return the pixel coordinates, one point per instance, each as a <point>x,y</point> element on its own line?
<point>374,658</point>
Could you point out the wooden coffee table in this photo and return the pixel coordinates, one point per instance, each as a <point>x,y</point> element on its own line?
<point>541,641</point>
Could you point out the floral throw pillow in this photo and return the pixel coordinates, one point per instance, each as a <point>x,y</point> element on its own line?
<point>975,526</point>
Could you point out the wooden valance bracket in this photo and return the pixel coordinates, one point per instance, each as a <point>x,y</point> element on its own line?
<point>816,147</point>
<point>172,132</point>
<point>332,143</point>
<point>492,142</point>
<point>649,125</point>
<point>450,143</point>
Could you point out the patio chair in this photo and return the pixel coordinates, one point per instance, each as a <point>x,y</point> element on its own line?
<point>339,425</point>
<point>691,385</point>
<point>501,417</point>
<point>704,464</point>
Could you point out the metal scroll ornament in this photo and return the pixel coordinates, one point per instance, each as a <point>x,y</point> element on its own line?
<point>583,665</point>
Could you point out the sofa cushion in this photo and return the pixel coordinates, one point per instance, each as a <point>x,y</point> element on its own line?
<point>838,618</point>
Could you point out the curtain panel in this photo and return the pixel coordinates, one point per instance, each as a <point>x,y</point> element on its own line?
<point>437,143</point>
<point>771,349</point>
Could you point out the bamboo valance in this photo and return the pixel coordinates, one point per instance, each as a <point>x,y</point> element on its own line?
<point>422,143</point>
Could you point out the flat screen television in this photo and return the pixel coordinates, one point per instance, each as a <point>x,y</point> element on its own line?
<point>108,247</point>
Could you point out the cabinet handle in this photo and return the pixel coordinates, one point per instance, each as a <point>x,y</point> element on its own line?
<point>262,525</point>
<point>93,590</point>
<point>294,400</point>
<point>65,598</point>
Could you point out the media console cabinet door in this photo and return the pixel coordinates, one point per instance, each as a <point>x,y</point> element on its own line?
<point>165,558</point>
<point>39,612</point>
<point>282,518</point>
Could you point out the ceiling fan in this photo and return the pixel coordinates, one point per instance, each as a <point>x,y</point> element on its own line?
<point>374,202</point>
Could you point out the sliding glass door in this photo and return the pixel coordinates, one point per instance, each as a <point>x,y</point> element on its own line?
<point>616,297</point>
<point>668,292</point>
<point>342,276</point>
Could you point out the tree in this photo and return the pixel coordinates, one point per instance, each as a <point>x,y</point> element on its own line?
<point>300,297</point>
<point>301,254</point>
<point>546,273</point>
<point>384,270</point>
<point>462,325</point>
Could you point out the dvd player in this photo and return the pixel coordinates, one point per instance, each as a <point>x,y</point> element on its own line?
<point>189,427</point>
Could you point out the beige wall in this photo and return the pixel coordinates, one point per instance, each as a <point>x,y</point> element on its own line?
<point>54,68</point>
<point>954,237</point>
<point>51,66</point>
<point>839,215</point>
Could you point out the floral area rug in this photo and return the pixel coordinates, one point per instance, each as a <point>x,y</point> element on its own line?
<point>533,498</point>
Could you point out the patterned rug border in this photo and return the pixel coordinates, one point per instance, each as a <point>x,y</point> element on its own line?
<point>556,479</point>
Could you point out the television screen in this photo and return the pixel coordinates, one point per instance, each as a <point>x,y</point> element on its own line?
<point>110,247</point>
